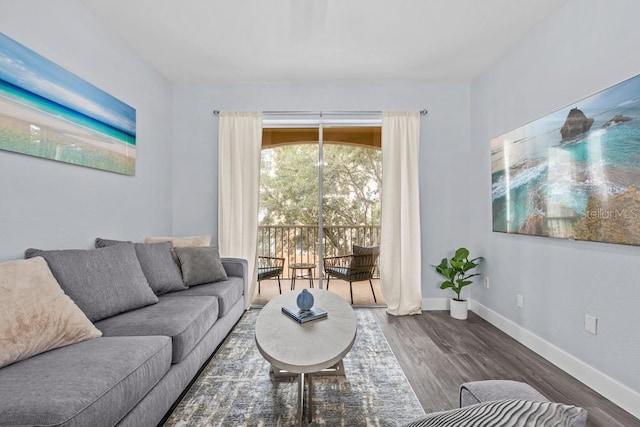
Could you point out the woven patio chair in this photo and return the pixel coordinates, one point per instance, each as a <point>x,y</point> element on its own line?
<point>356,267</point>
<point>268,267</point>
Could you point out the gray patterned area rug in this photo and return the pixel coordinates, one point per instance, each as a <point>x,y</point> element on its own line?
<point>235,388</point>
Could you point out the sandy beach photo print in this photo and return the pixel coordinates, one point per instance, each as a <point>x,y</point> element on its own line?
<point>48,112</point>
<point>575,173</point>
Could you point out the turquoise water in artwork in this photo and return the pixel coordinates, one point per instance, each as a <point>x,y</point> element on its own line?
<point>47,111</point>
<point>24,97</point>
<point>23,68</point>
<point>547,174</point>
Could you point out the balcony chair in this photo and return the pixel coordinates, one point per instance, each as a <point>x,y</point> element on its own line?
<point>356,267</point>
<point>269,266</point>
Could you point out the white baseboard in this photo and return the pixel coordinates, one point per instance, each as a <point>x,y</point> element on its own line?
<point>618,393</point>
<point>435,304</point>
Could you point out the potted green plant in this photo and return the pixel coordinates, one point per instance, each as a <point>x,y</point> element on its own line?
<point>456,271</point>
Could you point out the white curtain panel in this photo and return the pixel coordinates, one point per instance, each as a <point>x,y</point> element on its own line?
<point>239,145</point>
<point>400,272</point>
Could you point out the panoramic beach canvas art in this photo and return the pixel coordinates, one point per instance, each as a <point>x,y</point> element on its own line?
<point>48,112</point>
<point>575,173</point>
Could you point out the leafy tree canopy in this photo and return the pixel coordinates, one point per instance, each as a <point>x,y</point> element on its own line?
<point>289,185</point>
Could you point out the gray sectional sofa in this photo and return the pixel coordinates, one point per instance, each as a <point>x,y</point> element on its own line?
<point>152,344</point>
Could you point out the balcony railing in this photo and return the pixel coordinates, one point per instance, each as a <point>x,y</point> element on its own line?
<point>299,243</point>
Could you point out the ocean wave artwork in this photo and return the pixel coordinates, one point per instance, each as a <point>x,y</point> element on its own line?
<point>48,112</point>
<point>575,173</point>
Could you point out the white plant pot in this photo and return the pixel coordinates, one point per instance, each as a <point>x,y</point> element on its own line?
<point>458,309</point>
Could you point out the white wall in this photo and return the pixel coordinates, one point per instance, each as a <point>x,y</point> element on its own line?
<point>444,152</point>
<point>587,46</point>
<point>48,204</point>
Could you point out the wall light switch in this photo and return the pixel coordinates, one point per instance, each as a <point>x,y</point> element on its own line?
<point>486,282</point>
<point>519,301</point>
<point>591,324</point>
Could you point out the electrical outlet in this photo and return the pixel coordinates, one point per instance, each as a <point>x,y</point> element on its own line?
<point>519,301</point>
<point>486,282</point>
<point>591,324</point>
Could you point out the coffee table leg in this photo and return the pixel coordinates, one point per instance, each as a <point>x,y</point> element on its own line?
<point>301,399</point>
<point>310,397</point>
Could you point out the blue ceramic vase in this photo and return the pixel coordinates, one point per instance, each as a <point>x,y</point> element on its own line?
<point>305,300</point>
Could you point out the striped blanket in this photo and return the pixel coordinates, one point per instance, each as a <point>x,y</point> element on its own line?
<point>507,413</point>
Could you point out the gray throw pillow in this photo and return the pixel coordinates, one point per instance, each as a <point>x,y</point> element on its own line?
<point>103,243</point>
<point>159,268</point>
<point>156,260</point>
<point>102,282</point>
<point>364,261</point>
<point>507,413</point>
<point>200,265</point>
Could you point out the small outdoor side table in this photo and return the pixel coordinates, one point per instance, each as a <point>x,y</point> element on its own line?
<point>300,275</point>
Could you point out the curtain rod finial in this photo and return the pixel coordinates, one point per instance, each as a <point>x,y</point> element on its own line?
<point>423,112</point>
<point>216,112</point>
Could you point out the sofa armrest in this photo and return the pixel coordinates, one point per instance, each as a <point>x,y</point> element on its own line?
<point>238,267</point>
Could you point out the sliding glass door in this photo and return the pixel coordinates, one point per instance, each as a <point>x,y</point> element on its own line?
<point>319,195</point>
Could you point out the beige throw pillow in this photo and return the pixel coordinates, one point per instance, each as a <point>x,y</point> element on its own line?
<point>181,242</point>
<point>35,314</point>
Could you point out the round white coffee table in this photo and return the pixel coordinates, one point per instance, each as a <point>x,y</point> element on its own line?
<point>309,347</point>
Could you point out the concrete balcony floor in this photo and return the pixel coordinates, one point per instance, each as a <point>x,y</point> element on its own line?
<point>361,290</point>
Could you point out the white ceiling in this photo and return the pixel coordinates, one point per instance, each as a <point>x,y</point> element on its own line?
<point>320,40</point>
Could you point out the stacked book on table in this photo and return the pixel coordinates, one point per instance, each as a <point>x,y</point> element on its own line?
<point>304,316</point>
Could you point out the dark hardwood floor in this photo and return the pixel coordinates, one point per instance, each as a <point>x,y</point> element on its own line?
<point>438,353</point>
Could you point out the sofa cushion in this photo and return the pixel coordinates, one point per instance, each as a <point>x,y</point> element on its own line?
<point>157,264</point>
<point>35,314</point>
<point>181,242</point>
<point>95,382</point>
<point>185,319</point>
<point>227,291</point>
<point>102,282</point>
<point>103,243</point>
<point>200,265</point>
<point>507,413</point>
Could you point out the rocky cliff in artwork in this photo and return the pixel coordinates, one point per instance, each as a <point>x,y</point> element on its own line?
<point>576,124</point>
<point>618,118</point>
